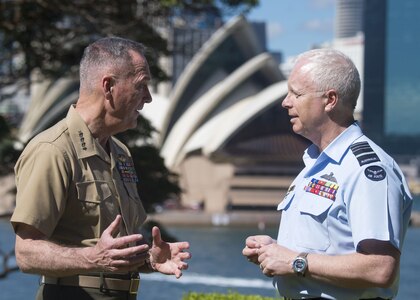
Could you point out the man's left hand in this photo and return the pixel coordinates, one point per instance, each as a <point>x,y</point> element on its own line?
<point>168,258</point>
<point>275,260</point>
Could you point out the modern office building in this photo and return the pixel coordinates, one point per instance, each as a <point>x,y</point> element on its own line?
<point>349,18</point>
<point>392,75</point>
<point>187,35</point>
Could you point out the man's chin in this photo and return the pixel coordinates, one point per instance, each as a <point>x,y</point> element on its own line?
<point>131,125</point>
<point>297,129</point>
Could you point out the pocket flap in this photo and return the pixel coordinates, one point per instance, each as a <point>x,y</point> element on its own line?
<point>315,205</point>
<point>93,191</point>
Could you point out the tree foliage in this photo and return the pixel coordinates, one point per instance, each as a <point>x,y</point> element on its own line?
<point>50,35</point>
<point>8,153</point>
<point>156,182</point>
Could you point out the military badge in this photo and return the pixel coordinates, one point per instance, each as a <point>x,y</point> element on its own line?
<point>126,169</point>
<point>322,188</point>
<point>122,158</point>
<point>291,189</point>
<point>329,177</point>
<point>364,153</point>
<point>375,173</point>
<point>82,140</point>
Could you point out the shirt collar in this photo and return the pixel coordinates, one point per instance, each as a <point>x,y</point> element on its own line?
<point>337,148</point>
<point>83,141</point>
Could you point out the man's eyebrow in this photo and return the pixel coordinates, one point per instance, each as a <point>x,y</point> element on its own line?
<point>292,90</point>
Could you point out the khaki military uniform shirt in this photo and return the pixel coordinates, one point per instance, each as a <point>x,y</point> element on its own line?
<point>70,189</point>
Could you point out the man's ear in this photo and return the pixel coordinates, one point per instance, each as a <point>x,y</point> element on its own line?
<point>107,86</point>
<point>331,97</point>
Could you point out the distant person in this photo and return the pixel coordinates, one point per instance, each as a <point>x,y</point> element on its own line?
<point>78,213</point>
<point>345,216</point>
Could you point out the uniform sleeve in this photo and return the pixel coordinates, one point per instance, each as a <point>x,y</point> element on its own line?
<point>42,181</point>
<point>375,205</point>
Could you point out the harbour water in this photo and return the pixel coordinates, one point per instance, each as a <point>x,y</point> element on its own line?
<point>217,265</point>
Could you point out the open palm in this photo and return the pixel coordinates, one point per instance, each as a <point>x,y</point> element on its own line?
<point>168,258</point>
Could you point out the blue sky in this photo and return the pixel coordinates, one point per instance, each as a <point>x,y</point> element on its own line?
<point>293,26</point>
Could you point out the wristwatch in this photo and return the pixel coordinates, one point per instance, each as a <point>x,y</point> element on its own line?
<point>300,264</point>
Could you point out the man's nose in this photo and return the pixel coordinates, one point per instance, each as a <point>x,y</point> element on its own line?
<point>286,102</point>
<point>147,96</point>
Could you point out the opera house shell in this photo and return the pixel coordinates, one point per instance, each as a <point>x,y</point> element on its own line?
<point>222,127</point>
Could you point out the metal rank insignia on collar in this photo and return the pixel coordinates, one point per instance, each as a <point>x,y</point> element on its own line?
<point>126,169</point>
<point>322,188</point>
<point>82,140</point>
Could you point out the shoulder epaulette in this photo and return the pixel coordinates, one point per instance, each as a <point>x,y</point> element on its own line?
<point>364,153</point>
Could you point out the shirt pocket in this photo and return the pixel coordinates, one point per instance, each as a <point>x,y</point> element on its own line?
<point>312,229</point>
<point>91,194</point>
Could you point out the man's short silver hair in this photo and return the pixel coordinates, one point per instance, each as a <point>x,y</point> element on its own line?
<point>331,69</point>
<point>110,53</point>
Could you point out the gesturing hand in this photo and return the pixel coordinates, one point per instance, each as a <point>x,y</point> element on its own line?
<point>275,260</point>
<point>114,254</point>
<point>253,243</point>
<point>168,258</point>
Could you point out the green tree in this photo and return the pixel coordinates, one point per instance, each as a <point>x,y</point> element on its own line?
<point>8,153</point>
<point>50,35</point>
<point>156,182</point>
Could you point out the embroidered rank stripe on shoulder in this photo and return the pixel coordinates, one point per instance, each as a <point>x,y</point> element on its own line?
<point>364,153</point>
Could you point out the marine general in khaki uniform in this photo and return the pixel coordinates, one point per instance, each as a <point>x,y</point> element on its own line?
<point>78,212</point>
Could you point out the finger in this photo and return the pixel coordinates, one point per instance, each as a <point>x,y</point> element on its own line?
<point>251,242</point>
<point>254,260</point>
<point>127,264</point>
<point>184,255</point>
<point>125,240</point>
<point>122,258</point>
<point>157,238</point>
<point>182,245</point>
<point>137,251</point>
<point>178,273</point>
<point>249,252</point>
<point>114,227</point>
<point>260,258</point>
<point>183,266</point>
<point>261,251</point>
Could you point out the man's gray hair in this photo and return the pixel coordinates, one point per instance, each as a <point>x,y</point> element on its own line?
<point>331,69</point>
<point>110,53</point>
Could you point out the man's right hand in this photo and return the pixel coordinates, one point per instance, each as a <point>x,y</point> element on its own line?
<point>114,254</point>
<point>253,243</point>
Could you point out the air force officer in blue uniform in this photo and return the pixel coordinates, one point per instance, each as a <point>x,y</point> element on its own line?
<point>345,215</point>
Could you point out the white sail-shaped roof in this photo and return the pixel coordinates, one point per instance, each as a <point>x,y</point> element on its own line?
<point>218,130</point>
<point>243,45</point>
<point>197,113</point>
<point>49,100</point>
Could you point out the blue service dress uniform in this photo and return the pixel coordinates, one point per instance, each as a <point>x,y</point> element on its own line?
<point>350,192</point>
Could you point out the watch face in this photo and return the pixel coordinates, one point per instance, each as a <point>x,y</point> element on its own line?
<point>299,265</point>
